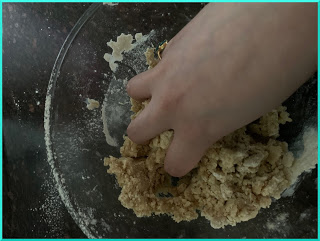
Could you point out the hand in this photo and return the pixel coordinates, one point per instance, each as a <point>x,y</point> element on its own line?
<point>231,64</point>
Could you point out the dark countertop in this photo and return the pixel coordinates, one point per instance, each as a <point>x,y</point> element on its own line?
<point>33,34</point>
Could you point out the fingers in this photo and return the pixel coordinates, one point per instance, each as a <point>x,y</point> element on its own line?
<point>146,125</point>
<point>138,87</point>
<point>184,153</point>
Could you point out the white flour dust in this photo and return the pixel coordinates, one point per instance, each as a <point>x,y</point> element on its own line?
<point>307,160</point>
<point>110,3</point>
<point>279,223</point>
<point>50,208</point>
<point>60,186</point>
<point>305,214</point>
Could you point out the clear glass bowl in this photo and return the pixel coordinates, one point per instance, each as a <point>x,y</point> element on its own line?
<point>76,143</point>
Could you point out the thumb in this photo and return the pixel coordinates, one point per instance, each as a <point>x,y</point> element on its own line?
<point>184,153</point>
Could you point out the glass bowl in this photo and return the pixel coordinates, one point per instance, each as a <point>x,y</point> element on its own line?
<point>78,139</point>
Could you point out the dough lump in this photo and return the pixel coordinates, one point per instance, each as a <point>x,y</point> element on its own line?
<point>237,176</point>
<point>92,104</point>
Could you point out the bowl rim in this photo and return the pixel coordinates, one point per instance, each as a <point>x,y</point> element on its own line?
<point>51,157</point>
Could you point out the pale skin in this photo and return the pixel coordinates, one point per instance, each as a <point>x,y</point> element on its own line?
<point>231,64</point>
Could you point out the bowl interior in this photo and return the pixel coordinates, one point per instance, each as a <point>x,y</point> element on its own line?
<point>79,143</point>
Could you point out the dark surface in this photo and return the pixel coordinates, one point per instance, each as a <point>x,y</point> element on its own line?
<point>33,34</point>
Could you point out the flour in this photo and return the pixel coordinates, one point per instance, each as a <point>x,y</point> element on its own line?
<point>271,226</point>
<point>50,208</point>
<point>282,217</point>
<point>279,223</point>
<point>110,3</point>
<point>305,214</point>
<point>59,180</point>
<point>309,158</point>
<point>125,82</point>
<point>106,226</point>
<point>306,162</point>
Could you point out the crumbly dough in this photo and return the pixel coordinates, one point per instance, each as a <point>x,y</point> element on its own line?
<point>123,44</point>
<point>138,37</point>
<point>237,176</point>
<point>151,61</point>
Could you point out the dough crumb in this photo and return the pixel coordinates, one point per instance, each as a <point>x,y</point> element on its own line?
<point>123,44</point>
<point>92,104</point>
<point>138,37</point>
<point>151,61</point>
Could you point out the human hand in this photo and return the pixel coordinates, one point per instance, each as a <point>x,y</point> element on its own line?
<point>231,64</point>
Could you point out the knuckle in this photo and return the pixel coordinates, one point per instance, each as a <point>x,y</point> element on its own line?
<point>192,131</point>
<point>165,104</point>
<point>170,101</point>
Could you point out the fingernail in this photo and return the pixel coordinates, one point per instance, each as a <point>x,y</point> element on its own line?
<point>172,171</point>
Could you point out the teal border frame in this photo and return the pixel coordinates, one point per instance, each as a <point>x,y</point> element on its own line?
<point>1,205</point>
<point>65,1</point>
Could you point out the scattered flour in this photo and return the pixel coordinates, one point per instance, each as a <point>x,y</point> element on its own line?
<point>309,158</point>
<point>125,82</point>
<point>282,217</point>
<point>306,162</point>
<point>51,210</point>
<point>59,180</point>
<point>305,214</point>
<point>278,223</point>
<point>110,3</point>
